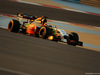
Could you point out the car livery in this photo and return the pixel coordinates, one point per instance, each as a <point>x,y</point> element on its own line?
<point>39,28</point>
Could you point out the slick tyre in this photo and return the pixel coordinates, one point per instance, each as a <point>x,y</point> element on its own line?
<point>74,36</point>
<point>13,26</point>
<point>44,32</point>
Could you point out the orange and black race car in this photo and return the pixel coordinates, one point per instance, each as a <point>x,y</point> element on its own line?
<point>37,26</point>
<point>32,25</point>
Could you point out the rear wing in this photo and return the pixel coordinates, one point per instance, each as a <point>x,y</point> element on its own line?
<point>28,16</point>
<point>21,15</point>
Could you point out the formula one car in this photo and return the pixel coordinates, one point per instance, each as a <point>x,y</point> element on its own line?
<point>39,28</point>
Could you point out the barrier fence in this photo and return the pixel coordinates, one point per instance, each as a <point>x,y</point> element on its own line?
<point>95,3</point>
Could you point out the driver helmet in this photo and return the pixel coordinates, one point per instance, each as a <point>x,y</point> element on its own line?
<point>39,19</point>
<point>31,20</point>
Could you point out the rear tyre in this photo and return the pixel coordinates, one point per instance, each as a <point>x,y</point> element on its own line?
<point>44,32</point>
<point>13,26</point>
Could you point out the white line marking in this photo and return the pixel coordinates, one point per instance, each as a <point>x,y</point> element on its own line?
<point>29,2</point>
<point>97,27</point>
<point>75,10</point>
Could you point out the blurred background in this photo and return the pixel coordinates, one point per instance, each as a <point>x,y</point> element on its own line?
<point>95,3</point>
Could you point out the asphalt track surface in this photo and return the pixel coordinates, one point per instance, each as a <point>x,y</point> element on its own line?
<point>37,56</point>
<point>43,57</point>
<point>10,7</point>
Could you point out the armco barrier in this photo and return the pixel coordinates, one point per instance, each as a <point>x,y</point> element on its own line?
<point>95,3</point>
<point>77,1</point>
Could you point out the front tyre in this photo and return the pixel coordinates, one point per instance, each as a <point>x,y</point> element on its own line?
<point>74,39</point>
<point>74,36</point>
<point>44,32</point>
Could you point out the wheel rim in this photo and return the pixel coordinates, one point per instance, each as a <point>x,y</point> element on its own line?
<point>42,32</point>
<point>10,25</point>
